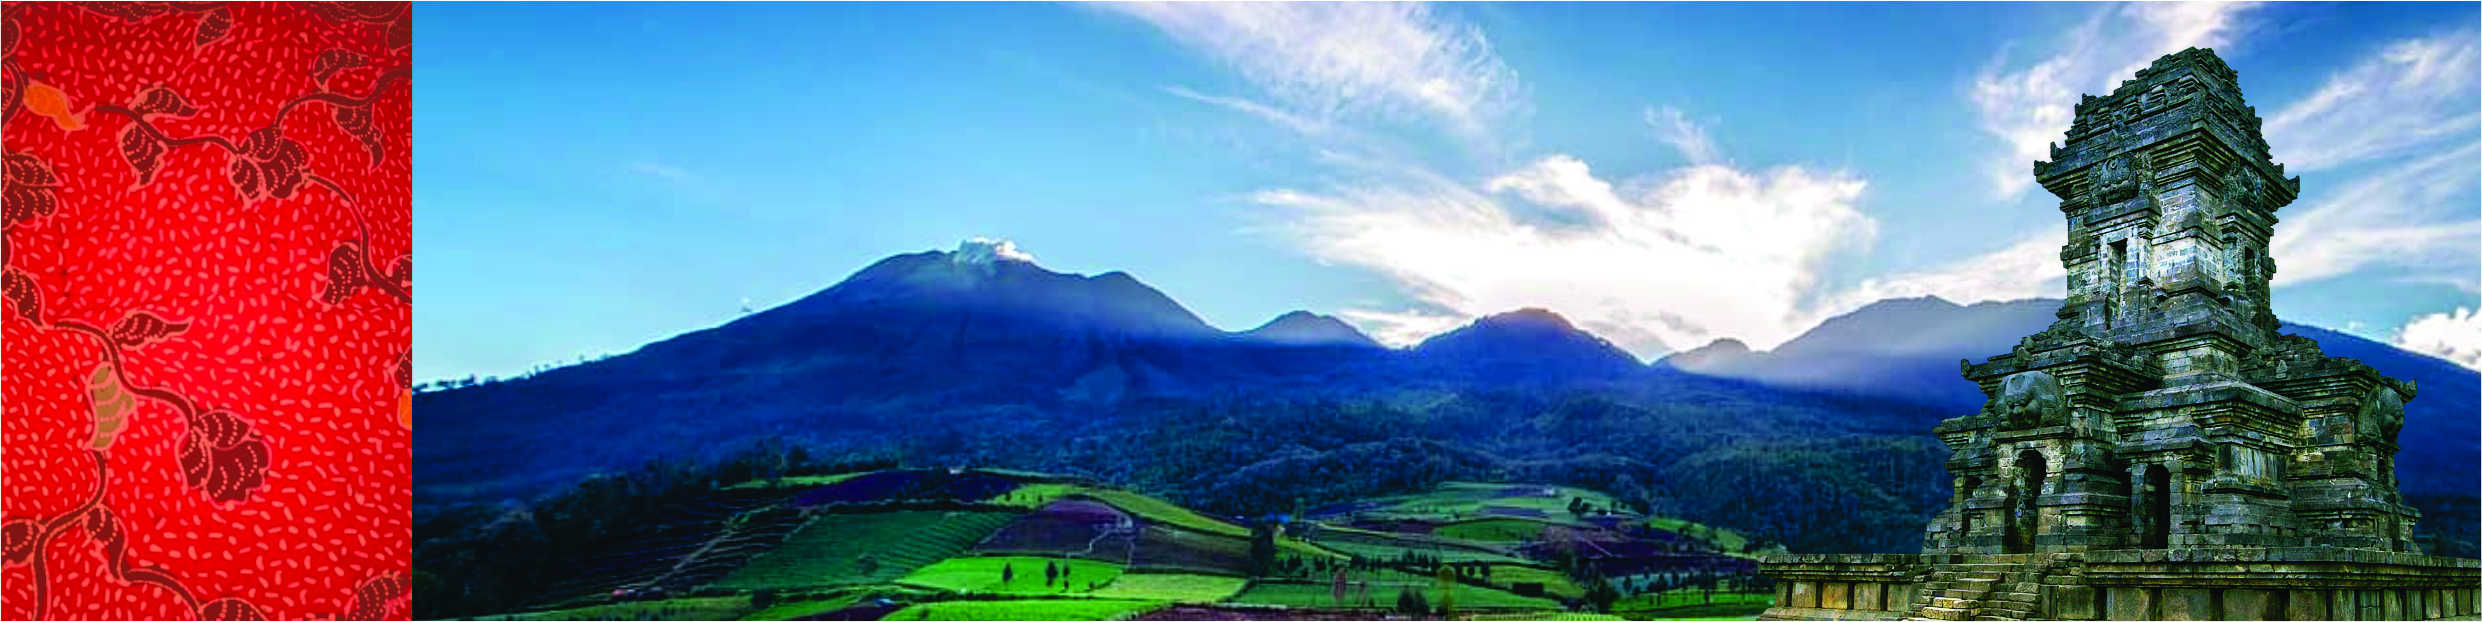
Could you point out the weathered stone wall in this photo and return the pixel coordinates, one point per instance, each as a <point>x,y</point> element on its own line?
<point>2299,583</point>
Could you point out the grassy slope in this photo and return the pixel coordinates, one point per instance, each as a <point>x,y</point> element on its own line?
<point>827,551</point>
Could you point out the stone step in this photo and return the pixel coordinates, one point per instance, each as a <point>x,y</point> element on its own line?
<point>1943,613</point>
<point>1985,575</point>
<point>1959,604</point>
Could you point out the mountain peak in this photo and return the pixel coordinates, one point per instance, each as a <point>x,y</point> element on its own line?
<point>1543,340</point>
<point>980,251</point>
<point>1303,328</point>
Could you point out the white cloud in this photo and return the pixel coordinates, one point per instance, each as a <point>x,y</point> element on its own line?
<point>1328,61</point>
<point>984,251</point>
<point>2455,336</point>
<point>2032,107</point>
<point>1655,263</point>
<point>2411,94</point>
<point>2406,217</point>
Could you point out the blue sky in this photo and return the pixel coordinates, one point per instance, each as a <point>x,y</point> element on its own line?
<point>593,177</point>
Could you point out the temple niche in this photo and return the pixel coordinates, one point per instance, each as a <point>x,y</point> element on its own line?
<point>2161,452</point>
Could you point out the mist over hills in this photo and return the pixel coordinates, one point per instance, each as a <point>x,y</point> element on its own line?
<point>989,359</point>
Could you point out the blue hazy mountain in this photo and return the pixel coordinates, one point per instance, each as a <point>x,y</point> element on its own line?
<point>946,357</point>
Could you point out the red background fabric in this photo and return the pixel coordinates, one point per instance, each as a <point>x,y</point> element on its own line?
<point>199,323</point>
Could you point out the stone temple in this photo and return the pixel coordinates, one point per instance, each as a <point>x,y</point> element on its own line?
<point>2160,452</point>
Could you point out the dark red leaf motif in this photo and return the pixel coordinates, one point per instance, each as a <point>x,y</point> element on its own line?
<point>141,328</point>
<point>143,151</point>
<point>356,120</point>
<point>246,179</point>
<point>160,101</point>
<point>344,273</point>
<point>193,461</point>
<point>132,12</point>
<point>268,166</point>
<point>401,34</point>
<point>8,36</point>
<point>21,292</point>
<point>104,526</point>
<point>230,610</point>
<point>220,428</point>
<point>237,471</point>
<point>17,541</point>
<point>371,600</point>
<point>333,61</point>
<point>222,457</point>
<point>25,168</point>
<point>212,27</point>
<point>21,204</point>
<point>347,12</point>
<point>30,190</point>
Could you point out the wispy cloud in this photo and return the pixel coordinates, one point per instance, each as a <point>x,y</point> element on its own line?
<point>2029,108</point>
<point>1654,263</point>
<point>1677,130</point>
<point>2455,336</point>
<point>1329,61</point>
<point>2411,94</point>
<point>2406,217</point>
<point>1270,114</point>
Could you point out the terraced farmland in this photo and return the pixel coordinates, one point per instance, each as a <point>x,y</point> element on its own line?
<point>973,545</point>
<point>858,549</point>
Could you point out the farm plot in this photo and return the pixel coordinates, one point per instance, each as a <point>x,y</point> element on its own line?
<point>1175,587</point>
<point>1373,545</point>
<point>1075,527</point>
<point>854,549</point>
<point>1034,609</point>
<point>1496,530</point>
<point>1013,575</point>
<point>908,485</point>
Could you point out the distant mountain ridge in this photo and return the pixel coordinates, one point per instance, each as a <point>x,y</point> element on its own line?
<point>953,353</point>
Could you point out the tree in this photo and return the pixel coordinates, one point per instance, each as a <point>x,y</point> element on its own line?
<point>1409,602</point>
<point>1600,593</point>
<point>762,599</point>
<point>1262,549</point>
<point>1447,591</point>
<point>1008,573</point>
<point>1577,506</point>
<point>1051,573</point>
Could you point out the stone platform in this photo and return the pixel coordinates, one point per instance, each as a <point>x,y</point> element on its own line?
<point>2303,583</point>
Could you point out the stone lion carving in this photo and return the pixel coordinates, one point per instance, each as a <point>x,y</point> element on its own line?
<point>2032,399</point>
<point>2383,412</point>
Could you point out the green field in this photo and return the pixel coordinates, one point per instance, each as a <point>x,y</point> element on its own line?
<point>1497,530</point>
<point>1722,539</point>
<point>1383,588</point>
<point>981,575</point>
<point>1176,587</point>
<point>1162,511</point>
<point>1037,495</point>
<point>1460,500</point>
<point>830,549</point>
<point>1031,609</point>
<point>803,481</point>
<point>1554,583</point>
